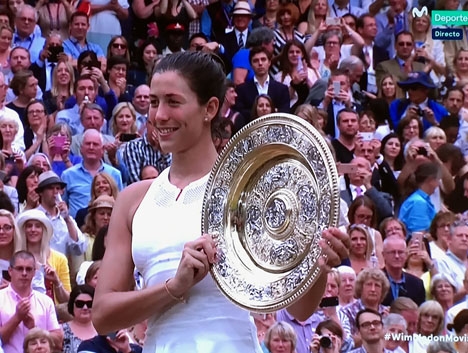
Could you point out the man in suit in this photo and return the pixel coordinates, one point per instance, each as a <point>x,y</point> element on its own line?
<point>359,183</point>
<point>261,83</point>
<point>402,284</point>
<point>371,54</point>
<point>44,66</point>
<point>403,62</point>
<point>391,23</point>
<point>236,37</point>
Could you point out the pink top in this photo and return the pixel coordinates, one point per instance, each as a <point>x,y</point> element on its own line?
<point>42,309</point>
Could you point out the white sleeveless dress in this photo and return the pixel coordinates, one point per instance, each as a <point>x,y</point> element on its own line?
<point>209,322</point>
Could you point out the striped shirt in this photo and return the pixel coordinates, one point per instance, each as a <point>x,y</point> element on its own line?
<point>140,153</point>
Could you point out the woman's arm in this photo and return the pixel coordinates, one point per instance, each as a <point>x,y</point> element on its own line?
<point>239,75</point>
<point>117,305</point>
<point>190,11</point>
<point>141,10</point>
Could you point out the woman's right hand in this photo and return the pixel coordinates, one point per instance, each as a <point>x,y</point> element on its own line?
<point>197,257</point>
<point>32,198</point>
<point>315,344</point>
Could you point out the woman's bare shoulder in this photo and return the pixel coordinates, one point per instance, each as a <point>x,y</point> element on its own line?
<point>129,199</point>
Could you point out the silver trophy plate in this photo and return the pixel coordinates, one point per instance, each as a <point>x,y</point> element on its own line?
<point>272,192</point>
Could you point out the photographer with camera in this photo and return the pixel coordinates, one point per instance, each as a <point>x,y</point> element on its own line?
<point>418,104</point>
<point>48,59</point>
<point>328,338</point>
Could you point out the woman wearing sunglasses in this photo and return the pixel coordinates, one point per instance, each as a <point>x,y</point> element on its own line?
<point>81,327</point>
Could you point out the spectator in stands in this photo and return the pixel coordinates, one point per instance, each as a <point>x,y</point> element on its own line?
<point>25,37</point>
<point>146,56</point>
<point>52,273</point>
<point>14,157</point>
<point>456,309</point>
<point>388,88</point>
<point>391,165</point>
<point>141,104</point>
<point>407,308</point>
<point>435,136</point>
<point>40,160</point>
<point>262,83</point>
<point>38,340</point>
<point>328,328</point>
<point>394,324</point>
<point>402,284</point>
<point>77,43</point>
<point>370,289</point>
<point>79,177</point>
<point>314,16</point>
<point>359,183</point>
<point>67,238</point>
<point>63,77</point>
<point>118,46</point>
<point>58,144</point>
<point>148,172</point>
<point>262,105</point>
<point>54,17</point>
<point>24,87</point>
<point>459,325</point>
<point>99,213</point>
<point>174,34</point>
<point>18,314</point>
<point>35,128</point>
<point>103,184</point>
<point>460,65</point>
<point>81,327</point>
<point>370,328</point>
<point>392,226</point>
<point>6,34</point>
<point>452,265</point>
<point>281,337</point>
<point>442,291</point>
<point>241,69</point>
<point>236,38</point>
<point>430,323</point>
<point>440,232</point>
<point>26,187</point>
<point>145,149</point>
<point>418,105</point>
<point>10,239</point>
<point>409,128</point>
<point>347,124</point>
<point>402,63</point>
<point>427,177</point>
<point>91,117</point>
<point>296,72</point>
<point>347,283</point>
<point>361,248</point>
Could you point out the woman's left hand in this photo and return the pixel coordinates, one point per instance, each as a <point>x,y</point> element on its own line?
<point>51,275</point>
<point>335,248</point>
<point>121,342</point>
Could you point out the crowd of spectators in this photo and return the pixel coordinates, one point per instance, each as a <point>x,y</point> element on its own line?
<point>391,102</point>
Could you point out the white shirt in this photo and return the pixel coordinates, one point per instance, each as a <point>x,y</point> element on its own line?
<point>336,11</point>
<point>436,252</point>
<point>371,78</point>
<point>454,310</point>
<point>453,268</point>
<point>244,35</point>
<point>262,89</point>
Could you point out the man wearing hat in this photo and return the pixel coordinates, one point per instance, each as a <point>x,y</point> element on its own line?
<point>418,104</point>
<point>67,238</point>
<point>236,36</point>
<point>175,34</point>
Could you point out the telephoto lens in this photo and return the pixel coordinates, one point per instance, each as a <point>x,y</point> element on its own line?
<point>325,342</point>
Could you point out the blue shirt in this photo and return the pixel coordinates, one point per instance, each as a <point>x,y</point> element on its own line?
<point>241,61</point>
<point>74,49</point>
<point>78,190</point>
<point>71,117</point>
<point>33,43</point>
<point>395,286</point>
<point>417,211</point>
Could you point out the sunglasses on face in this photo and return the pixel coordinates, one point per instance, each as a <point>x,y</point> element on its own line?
<point>119,46</point>
<point>81,303</point>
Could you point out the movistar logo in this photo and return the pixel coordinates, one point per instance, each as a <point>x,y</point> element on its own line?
<point>420,13</point>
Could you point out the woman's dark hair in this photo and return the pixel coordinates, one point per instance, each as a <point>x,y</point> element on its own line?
<point>218,129</point>
<point>76,291</point>
<point>7,12</point>
<point>92,270</point>
<point>381,110</point>
<point>6,203</point>
<point>21,183</point>
<point>400,159</point>
<point>404,123</point>
<point>97,253</point>
<point>366,202</point>
<point>140,64</point>
<point>86,55</point>
<point>448,152</point>
<point>116,60</point>
<point>285,65</point>
<point>292,9</point>
<point>20,80</point>
<point>202,71</point>
<point>330,325</point>
<point>253,113</point>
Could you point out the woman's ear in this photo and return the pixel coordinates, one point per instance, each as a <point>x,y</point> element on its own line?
<point>212,108</point>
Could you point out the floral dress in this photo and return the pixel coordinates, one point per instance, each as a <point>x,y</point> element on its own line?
<point>70,341</point>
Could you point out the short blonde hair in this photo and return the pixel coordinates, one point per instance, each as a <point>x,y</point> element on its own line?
<point>375,274</point>
<point>434,131</point>
<point>116,111</point>
<point>432,307</point>
<point>284,331</point>
<point>36,333</point>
